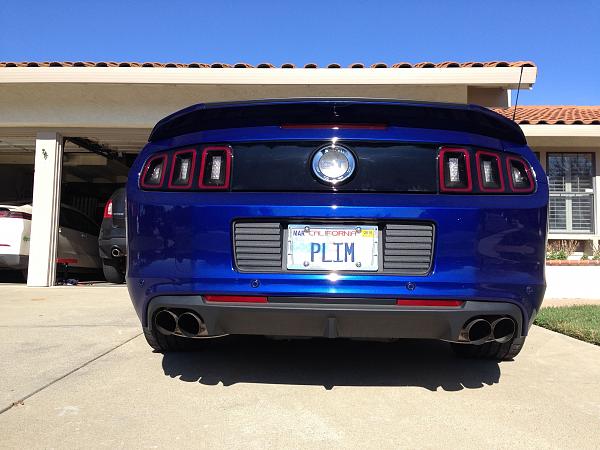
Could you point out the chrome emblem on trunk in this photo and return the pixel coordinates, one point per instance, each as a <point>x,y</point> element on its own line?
<point>333,164</point>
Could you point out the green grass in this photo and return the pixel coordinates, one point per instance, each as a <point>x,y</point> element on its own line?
<point>581,322</point>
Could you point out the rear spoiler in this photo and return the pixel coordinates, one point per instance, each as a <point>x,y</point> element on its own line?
<point>443,116</point>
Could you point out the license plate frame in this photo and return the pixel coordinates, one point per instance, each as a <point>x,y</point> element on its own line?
<point>332,248</point>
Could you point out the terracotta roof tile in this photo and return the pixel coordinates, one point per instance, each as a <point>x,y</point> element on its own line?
<point>553,115</point>
<point>196,65</point>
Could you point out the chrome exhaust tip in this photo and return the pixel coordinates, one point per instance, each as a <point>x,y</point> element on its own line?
<point>115,252</point>
<point>477,331</point>
<point>191,325</point>
<point>166,322</point>
<point>503,329</point>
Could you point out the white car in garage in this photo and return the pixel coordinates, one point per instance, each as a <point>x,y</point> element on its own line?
<point>77,238</point>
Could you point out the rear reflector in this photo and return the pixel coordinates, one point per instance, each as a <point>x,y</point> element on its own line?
<point>234,299</point>
<point>446,303</point>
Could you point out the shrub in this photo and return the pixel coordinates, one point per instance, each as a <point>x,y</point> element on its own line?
<point>561,249</point>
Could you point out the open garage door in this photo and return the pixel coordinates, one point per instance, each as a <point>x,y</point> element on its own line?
<point>92,165</point>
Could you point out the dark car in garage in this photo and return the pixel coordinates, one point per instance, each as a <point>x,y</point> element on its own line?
<point>112,238</point>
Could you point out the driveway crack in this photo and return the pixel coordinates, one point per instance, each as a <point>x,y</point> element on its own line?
<point>62,377</point>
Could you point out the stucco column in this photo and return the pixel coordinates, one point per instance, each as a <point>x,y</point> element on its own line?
<point>46,209</point>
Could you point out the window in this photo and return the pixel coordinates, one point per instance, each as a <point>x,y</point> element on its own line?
<point>570,176</point>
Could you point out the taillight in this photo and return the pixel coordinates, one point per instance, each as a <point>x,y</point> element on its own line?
<point>154,172</point>
<point>455,170</point>
<point>519,174</point>
<point>215,168</point>
<point>108,209</point>
<point>14,215</point>
<point>182,169</point>
<point>489,172</point>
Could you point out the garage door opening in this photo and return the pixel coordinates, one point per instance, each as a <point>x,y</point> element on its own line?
<point>16,193</point>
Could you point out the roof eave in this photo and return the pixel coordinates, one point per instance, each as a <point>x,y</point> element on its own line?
<point>505,77</point>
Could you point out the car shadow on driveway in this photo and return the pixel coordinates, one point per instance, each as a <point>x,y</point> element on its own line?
<point>329,363</point>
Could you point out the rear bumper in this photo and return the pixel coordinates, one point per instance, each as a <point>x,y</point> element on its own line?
<point>14,262</point>
<point>349,318</point>
<point>106,246</point>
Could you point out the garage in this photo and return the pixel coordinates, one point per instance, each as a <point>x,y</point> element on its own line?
<point>69,131</point>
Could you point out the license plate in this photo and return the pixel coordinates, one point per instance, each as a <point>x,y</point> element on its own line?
<point>333,247</point>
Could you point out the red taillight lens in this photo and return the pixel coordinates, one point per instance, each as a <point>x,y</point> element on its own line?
<point>108,209</point>
<point>182,169</point>
<point>442,303</point>
<point>15,215</point>
<point>489,172</point>
<point>235,299</point>
<point>215,168</point>
<point>455,170</point>
<point>153,174</point>
<point>519,175</point>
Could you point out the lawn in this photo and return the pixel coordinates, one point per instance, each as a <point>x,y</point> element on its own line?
<point>581,322</point>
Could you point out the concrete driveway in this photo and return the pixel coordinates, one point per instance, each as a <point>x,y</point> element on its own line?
<point>89,379</point>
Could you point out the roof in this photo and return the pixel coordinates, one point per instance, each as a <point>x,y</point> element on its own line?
<point>218,65</point>
<point>553,115</point>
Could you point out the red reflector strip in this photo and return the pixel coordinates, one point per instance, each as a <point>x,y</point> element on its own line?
<point>447,303</point>
<point>234,299</point>
<point>338,126</point>
<point>66,261</point>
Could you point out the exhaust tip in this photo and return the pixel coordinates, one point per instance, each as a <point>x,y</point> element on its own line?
<point>115,252</point>
<point>503,329</point>
<point>479,330</point>
<point>191,325</point>
<point>166,322</point>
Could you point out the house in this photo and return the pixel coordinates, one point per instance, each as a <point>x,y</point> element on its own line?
<point>69,130</point>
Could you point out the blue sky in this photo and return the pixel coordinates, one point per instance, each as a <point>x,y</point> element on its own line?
<point>561,37</point>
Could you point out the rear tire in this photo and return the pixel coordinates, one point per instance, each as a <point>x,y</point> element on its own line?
<point>167,344</point>
<point>112,272</point>
<point>490,350</point>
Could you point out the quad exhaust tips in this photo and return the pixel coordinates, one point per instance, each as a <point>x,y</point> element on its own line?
<point>480,331</point>
<point>188,324</point>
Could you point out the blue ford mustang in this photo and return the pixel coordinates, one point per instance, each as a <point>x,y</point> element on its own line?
<point>338,218</point>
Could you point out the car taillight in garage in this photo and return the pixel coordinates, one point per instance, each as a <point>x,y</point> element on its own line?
<point>14,215</point>
<point>108,209</point>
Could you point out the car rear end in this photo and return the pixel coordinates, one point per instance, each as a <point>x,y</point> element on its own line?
<point>15,229</point>
<point>337,218</point>
<point>112,239</point>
